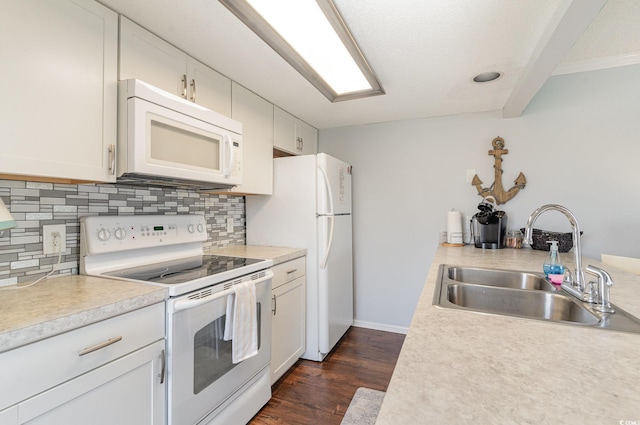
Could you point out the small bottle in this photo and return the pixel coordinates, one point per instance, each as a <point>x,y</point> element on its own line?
<point>553,268</point>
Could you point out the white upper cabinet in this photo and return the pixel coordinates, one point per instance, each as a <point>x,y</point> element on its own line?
<point>59,89</point>
<point>292,135</point>
<point>147,57</point>
<point>208,88</point>
<point>256,116</point>
<point>308,137</point>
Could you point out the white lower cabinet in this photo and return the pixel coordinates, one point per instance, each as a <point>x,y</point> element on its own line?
<point>110,372</point>
<point>125,391</point>
<point>288,321</point>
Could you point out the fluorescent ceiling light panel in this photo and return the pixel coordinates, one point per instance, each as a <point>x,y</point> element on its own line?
<point>314,39</point>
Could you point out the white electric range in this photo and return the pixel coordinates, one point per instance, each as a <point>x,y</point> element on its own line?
<point>203,384</point>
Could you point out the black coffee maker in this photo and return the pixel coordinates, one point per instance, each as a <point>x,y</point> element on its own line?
<point>489,227</point>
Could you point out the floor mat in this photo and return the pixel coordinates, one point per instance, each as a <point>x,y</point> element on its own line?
<point>364,407</point>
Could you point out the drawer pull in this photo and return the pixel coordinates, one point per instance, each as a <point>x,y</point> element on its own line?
<point>292,271</point>
<point>99,346</point>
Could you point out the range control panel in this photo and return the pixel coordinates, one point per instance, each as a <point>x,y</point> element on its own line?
<point>104,234</point>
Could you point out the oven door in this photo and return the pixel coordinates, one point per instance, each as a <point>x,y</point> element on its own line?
<point>201,375</point>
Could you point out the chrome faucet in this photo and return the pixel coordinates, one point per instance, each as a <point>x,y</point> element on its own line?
<point>577,285</point>
<point>604,283</point>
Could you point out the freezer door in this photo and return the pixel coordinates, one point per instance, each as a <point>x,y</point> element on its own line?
<point>335,281</point>
<point>334,185</point>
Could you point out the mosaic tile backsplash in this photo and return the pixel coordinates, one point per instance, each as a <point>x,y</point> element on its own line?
<point>35,204</point>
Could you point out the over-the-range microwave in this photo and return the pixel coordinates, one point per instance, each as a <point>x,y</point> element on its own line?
<point>168,141</point>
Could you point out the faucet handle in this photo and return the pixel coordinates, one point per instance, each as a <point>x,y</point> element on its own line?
<point>605,282</point>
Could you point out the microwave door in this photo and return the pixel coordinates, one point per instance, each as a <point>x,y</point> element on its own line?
<point>170,144</point>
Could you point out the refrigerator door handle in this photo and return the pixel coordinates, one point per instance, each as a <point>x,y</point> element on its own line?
<point>327,248</point>
<point>328,187</point>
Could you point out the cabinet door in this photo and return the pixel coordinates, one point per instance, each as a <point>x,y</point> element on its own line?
<point>9,416</point>
<point>59,88</point>
<point>256,116</point>
<point>149,58</point>
<point>126,391</point>
<point>208,88</point>
<point>287,326</point>
<point>284,131</point>
<point>308,138</point>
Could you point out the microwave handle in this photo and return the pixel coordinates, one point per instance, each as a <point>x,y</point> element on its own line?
<point>186,303</point>
<point>226,171</point>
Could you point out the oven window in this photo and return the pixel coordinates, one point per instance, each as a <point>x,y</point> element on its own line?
<point>212,354</point>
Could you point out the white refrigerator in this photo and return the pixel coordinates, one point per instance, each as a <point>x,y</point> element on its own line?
<point>311,208</point>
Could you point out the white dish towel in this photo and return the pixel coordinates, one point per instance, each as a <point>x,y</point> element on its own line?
<point>241,325</point>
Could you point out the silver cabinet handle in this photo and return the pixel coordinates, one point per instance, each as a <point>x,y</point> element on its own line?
<point>163,359</point>
<point>184,85</point>
<point>99,346</point>
<point>112,160</point>
<point>193,90</point>
<point>275,305</point>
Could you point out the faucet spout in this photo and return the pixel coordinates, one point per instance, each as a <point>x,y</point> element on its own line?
<point>578,287</point>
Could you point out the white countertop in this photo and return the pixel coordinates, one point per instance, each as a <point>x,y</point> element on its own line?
<point>63,303</point>
<point>276,253</point>
<point>460,367</point>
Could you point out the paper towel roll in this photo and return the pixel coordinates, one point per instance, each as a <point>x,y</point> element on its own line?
<point>454,227</point>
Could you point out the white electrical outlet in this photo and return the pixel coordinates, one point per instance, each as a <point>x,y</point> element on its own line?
<point>50,243</point>
<point>229,225</point>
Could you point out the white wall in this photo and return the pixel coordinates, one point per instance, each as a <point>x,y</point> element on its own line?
<point>576,143</point>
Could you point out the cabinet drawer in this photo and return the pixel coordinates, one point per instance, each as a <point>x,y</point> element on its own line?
<point>36,367</point>
<point>286,272</point>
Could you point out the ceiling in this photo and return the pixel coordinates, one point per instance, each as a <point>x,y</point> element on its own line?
<point>424,52</point>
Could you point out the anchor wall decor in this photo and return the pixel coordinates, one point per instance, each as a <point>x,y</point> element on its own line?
<point>496,189</point>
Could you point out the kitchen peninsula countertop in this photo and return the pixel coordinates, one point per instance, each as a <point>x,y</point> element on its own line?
<point>459,367</point>
<point>60,304</point>
<point>275,253</point>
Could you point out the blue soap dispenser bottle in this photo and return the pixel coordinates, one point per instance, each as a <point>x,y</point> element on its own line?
<point>553,268</point>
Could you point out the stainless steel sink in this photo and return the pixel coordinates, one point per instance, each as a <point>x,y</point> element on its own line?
<point>513,302</point>
<point>521,294</point>
<point>503,278</point>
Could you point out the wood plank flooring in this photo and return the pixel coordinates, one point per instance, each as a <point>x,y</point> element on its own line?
<point>320,393</point>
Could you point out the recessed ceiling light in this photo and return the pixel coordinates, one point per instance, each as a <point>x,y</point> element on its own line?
<point>312,36</point>
<point>485,77</point>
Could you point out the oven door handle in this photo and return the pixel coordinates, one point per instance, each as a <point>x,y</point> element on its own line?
<point>187,303</point>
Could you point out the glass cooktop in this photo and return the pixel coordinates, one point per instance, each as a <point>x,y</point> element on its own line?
<point>185,269</point>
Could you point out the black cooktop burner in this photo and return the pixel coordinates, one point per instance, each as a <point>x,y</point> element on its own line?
<point>185,269</point>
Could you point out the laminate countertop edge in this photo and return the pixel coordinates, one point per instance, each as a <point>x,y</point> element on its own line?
<point>277,254</point>
<point>61,304</point>
<point>461,367</point>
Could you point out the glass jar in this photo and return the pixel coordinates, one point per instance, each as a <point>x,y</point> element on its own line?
<point>514,239</point>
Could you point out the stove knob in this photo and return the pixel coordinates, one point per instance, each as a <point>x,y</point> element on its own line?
<point>200,228</point>
<point>190,228</point>
<point>120,233</point>
<point>103,235</point>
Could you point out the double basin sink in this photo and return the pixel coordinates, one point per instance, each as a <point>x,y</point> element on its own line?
<point>521,294</point>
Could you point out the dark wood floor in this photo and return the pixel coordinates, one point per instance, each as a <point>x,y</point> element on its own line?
<point>319,393</point>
